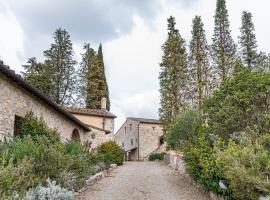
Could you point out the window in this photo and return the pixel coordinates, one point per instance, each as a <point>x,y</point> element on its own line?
<point>18,125</point>
<point>154,128</point>
<point>161,140</point>
<point>125,129</point>
<point>123,144</point>
<point>130,127</point>
<point>131,141</point>
<point>75,135</point>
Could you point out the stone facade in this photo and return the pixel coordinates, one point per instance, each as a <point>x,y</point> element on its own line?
<point>14,100</point>
<point>140,138</point>
<point>101,123</point>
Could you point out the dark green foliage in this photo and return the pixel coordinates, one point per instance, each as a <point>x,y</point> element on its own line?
<point>56,76</point>
<point>201,165</point>
<point>241,103</point>
<point>100,57</point>
<point>173,75</point>
<point>36,127</point>
<point>223,47</point>
<point>246,166</point>
<point>248,41</point>
<point>200,70</point>
<point>156,156</point>
<point>38,154</point>
<point>184,130</point>
<point>113,154</point>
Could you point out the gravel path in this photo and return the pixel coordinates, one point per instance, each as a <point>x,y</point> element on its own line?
<point>143,181</point>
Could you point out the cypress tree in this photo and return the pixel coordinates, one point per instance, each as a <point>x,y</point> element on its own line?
<point>173,75</point>
<point>200,69</point>
<point>83,73</point>
<point>59,59</point>
<point>248,41</point>
<point>100,57</point>
<point>95,84</point>
<point>223,47</point>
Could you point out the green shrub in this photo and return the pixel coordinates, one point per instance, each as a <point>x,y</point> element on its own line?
<point>35,127</point>
<point>156,156</point>
<point>41,155</point>
<point>113,154</point>
<point>17,178</point>
<point>246,166</point>
<point>184,130</point>
<point>240,104</point>
<point>201,165</point>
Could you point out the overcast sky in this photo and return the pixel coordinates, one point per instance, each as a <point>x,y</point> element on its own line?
<point>131,31</point>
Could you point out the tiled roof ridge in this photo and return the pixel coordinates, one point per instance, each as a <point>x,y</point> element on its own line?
<point>88,111</point>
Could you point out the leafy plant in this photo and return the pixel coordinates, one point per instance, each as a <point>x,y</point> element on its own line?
<point>113,154</point>
<point>51,191</point>
<point>240,104</point>
<point>184,130</point>
<point>156,156</point>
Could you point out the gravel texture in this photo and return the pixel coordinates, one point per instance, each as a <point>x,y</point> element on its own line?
<point>143,181</point>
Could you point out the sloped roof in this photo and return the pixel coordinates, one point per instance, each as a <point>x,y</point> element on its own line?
<point>92,112</point>
<point>34,91</point>
<point>144,120</point>
<point>94,127</point>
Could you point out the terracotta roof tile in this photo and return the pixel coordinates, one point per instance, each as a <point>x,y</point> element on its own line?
<point>92,112</point>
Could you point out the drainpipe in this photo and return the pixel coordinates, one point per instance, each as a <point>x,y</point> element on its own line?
<point>139,141</point>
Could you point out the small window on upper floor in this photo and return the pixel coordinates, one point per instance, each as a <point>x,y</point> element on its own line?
<point>131,141</point>
<point>161,140</point>
<point>18,122</point>
<point>130,127</point>
<point>125,129</point>
<point>123,144</point>
<point>154,128</point>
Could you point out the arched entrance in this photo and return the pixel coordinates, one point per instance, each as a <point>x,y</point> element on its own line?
<point>75,135</point>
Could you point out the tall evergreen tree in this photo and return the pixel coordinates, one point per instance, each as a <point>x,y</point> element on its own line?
<point>223,47</point>
<point>59,58</point>
<point>100,57</point>
<point>200,70</point>
<point>83,73</point>
<point>56,76</point>
<point>248,41</point>
<point>173,75</point>
<point>95,84</point>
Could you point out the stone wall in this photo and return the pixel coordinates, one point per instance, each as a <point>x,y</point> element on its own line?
<point>128,132</point>
<point>14,100</point>
<point>149,139</point>
<point>97,121</point>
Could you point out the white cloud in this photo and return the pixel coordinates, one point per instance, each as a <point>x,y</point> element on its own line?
<point>11,39</point>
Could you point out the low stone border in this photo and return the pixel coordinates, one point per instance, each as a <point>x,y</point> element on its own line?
<point>95,178</point>
<point>174,160</point>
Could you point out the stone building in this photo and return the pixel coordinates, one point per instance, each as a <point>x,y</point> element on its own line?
<point>17,98</point>
<point>140,137</point>
<point>101,122</point>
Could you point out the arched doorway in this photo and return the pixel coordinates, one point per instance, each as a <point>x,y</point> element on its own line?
<point>75,135</point>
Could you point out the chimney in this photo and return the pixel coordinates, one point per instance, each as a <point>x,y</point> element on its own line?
<point>103,103</point>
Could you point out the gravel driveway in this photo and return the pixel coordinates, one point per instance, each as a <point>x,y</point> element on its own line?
<point>143,181</point>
